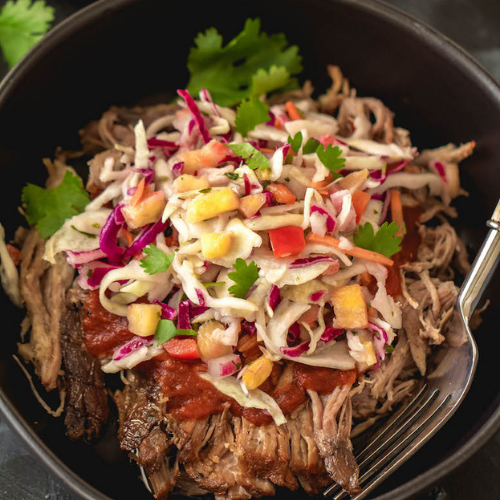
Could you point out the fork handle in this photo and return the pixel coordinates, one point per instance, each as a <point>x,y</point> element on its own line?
<point>483,267</point>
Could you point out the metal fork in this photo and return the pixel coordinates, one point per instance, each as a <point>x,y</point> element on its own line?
<point>442,390</point>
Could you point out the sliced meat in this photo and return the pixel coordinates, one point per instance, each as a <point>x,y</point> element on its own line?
<point>140,409</point>
<point>305,460</point>
<point>43,288</point>
<point>96,166</point>
<point>332,437</point>
<point>86,398</point>
<point>264,451</point>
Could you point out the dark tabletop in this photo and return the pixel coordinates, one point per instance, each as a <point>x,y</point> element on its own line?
<point>475,25</point>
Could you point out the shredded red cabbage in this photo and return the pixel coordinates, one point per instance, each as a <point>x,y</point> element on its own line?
<point>224,366</point>
<point>248,327</point>
<point>205,96</point>
<point>195,310</point>
<point>309,261</point>
<point>148,174</point>
<point>108,239</point>
<point>385,208</point>
<point>200,296</point>
<point>331,333</point>
<point>76,259</point>
<point>269,198</point>
<point>131,346</point>
<point>183,319</point>
<point>316,295</point>
<point>167,312</point>
<point>160,143</point>
<point>177,169</point>
<point>91,275</point>
<point>293,332</point>
<point>380,339</point>
<point>147,236</point>
<point>196,114</point>
<point>330,221</point>
<point>248,187</point>
<point>274,297</point>
<point>296,351</point>
<point>440,169</point>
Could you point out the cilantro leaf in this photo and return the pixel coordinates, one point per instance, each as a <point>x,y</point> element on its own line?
<point>157,260</point>
<point>243,67</point>
<point>250,113</point>
<point>254,158</point>
<point>311,146</point>
<point>244,277</point>
<point>47,209</point>
<point>264,81</point>
<point>331,159</point>
<point>232,176</point>
<point>166,331</point>
<point>22,24</point>
<point>388,349</point>
<point>384,241</point>
<point>296,142</point>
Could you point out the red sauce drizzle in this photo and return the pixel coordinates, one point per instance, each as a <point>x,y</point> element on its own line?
<point>104,331</point>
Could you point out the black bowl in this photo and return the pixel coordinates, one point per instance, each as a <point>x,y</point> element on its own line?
<point>126,51</point>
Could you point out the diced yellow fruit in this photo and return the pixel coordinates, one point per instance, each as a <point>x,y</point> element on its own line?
<point>257,372</point>
<point>147,211</point>
<point>143,318</point>
<point>188,182</point>
<point>251,204</point>
<point>265,174</point>
<point>350,307</point>
<point>215,245</point>
<point>208,346</point>
<point>212,204</point>
<point>371,359</point>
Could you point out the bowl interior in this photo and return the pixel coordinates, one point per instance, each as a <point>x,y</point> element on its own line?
<point>124,52</point>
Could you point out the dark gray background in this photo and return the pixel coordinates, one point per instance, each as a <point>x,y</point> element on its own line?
<point>474,24</point>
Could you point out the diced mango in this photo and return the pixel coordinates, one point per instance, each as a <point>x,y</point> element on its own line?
<point>371,359</point>
<point>143,318</point>
<point>188,182</point>
<point>148,210</point>
<point>350,307</point>
<point>208,346</point>
<point>212,204</point>
<point>257,372</point>
<point>251,204</point>
<point>210,155</point>
<point>215,245</point>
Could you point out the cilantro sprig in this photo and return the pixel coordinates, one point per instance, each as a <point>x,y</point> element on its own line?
<point>22,24</point>
<point>166,330</point>
<point>244,277</point>
<point>251,63</point>
<point>331,156</point>
<point>47,209</point>
<point>156,261</point>
<point>250,113</point>
<point>254,158</point>
<point>384,241</point>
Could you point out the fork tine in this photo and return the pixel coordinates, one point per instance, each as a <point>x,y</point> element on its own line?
<point>379,469</point>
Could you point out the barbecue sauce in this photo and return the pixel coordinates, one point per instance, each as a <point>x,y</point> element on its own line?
<point>103,331</point>
<point>192,398</point>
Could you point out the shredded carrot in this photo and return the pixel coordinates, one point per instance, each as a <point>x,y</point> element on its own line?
<point>355,251</point>
<point>322,184</point>
<point>282,194</point>
<point>397,211</point>
<point>128,236</point>
<point>292,111</point>
<point>139,192</point>
<point>360,201</point>
<point>323,191</point>
<point>267,150</point>
<point>278,124</point>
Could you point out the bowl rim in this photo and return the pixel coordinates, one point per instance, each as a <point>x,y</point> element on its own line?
<point>436,41</point>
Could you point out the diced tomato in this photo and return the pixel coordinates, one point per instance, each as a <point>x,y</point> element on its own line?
<point>360,201</point>
<point>185,349</point>
<point>287,241</point>
<point>281,194</point>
